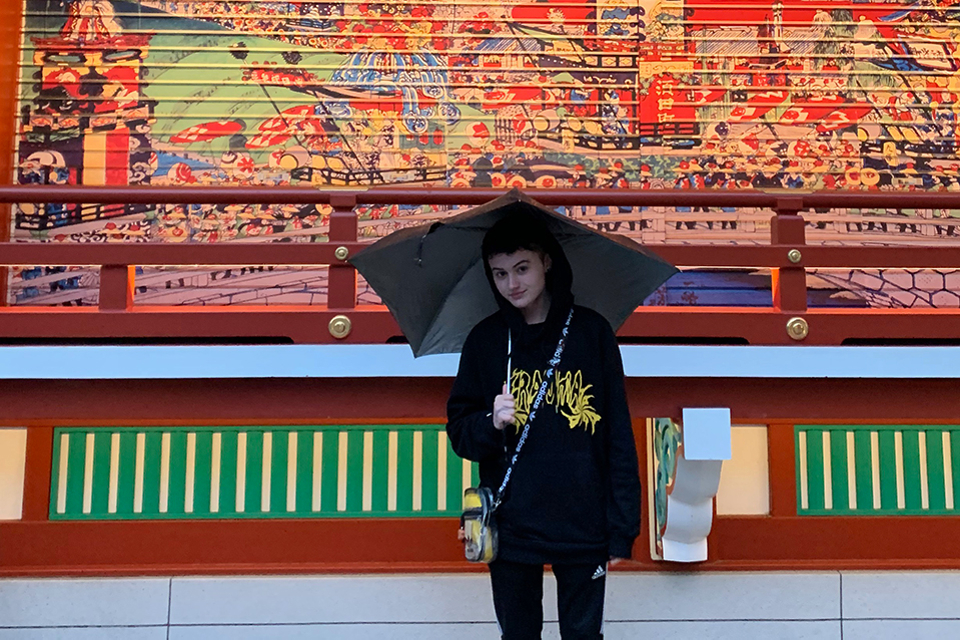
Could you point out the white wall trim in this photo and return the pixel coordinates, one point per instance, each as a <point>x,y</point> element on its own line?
<point>390,361</point>
<point>666,605</point>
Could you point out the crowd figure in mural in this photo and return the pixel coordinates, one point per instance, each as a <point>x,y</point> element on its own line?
<point>340,27</point>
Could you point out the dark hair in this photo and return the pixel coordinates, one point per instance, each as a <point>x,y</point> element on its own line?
<point>516,232</point>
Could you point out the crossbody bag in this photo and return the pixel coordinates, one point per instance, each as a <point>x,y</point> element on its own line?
<point>480,503</point>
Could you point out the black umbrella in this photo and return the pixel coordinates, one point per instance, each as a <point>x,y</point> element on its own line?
<point>432,279</point>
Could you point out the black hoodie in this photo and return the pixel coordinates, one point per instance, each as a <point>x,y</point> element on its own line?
<point>574,496</point>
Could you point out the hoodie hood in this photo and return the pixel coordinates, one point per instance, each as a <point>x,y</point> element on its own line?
<point>520,223</point>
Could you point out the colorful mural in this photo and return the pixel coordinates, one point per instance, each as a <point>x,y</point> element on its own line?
<point>581,93</point>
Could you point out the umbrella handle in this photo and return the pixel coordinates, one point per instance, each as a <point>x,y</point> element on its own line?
<point>509,359</point>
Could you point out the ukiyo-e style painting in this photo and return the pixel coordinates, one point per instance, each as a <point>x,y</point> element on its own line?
<point>572,93</point>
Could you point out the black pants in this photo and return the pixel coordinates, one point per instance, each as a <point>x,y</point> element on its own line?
<point>518,599</point>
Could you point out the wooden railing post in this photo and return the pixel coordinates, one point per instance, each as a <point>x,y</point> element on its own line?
<point>782,470</point>
<point>789,282</point>
<point>342,291</point>
<point>116,287</point>
<point>38,474</point>
<point>4,237</point>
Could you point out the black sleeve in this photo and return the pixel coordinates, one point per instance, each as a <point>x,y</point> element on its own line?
<point>469,410</point>
<point>623,503</point>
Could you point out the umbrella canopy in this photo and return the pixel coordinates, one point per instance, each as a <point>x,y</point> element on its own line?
<point>432,278</point>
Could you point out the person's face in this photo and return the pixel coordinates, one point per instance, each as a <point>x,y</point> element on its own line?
<point>520,277</point>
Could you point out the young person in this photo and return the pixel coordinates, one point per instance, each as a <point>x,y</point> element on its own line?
<point>573,501</point>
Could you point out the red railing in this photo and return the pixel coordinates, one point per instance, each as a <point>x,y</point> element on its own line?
<point>787,255</point>
<point>782,540</point>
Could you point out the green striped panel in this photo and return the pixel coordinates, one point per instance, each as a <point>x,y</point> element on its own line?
<point>404,472</point>
<point>888,471</point>
<point>278,471</point>
<point>177,488</point>
<point>935,475</point>
<point>380,479</point>
<point>126,474</point>
<point>305,472</point>
<point>919,488</point>
<point>253,477</point>
<point>913,492</point>
<point>76,455</point>
<point>840,483</point>
<point>354,470</point>
<point>863,464</point>
<point>202,471</point>
<point>815,492</point>
<point>101,472</point>
<point>358,471</point>
<point>228,472</point>
<point>152,454</point>
<point>429,474</point>
<point>329,471</point>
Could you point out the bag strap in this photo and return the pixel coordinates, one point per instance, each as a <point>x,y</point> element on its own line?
<point>541,393</point>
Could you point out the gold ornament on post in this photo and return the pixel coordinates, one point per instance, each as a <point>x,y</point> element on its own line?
<point>341,253</point>
<point>794,256</point>
<point>797,328</point>
<point>340,327</point>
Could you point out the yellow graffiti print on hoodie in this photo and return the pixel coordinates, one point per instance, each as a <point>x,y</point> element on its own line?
<point>567,394</point>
